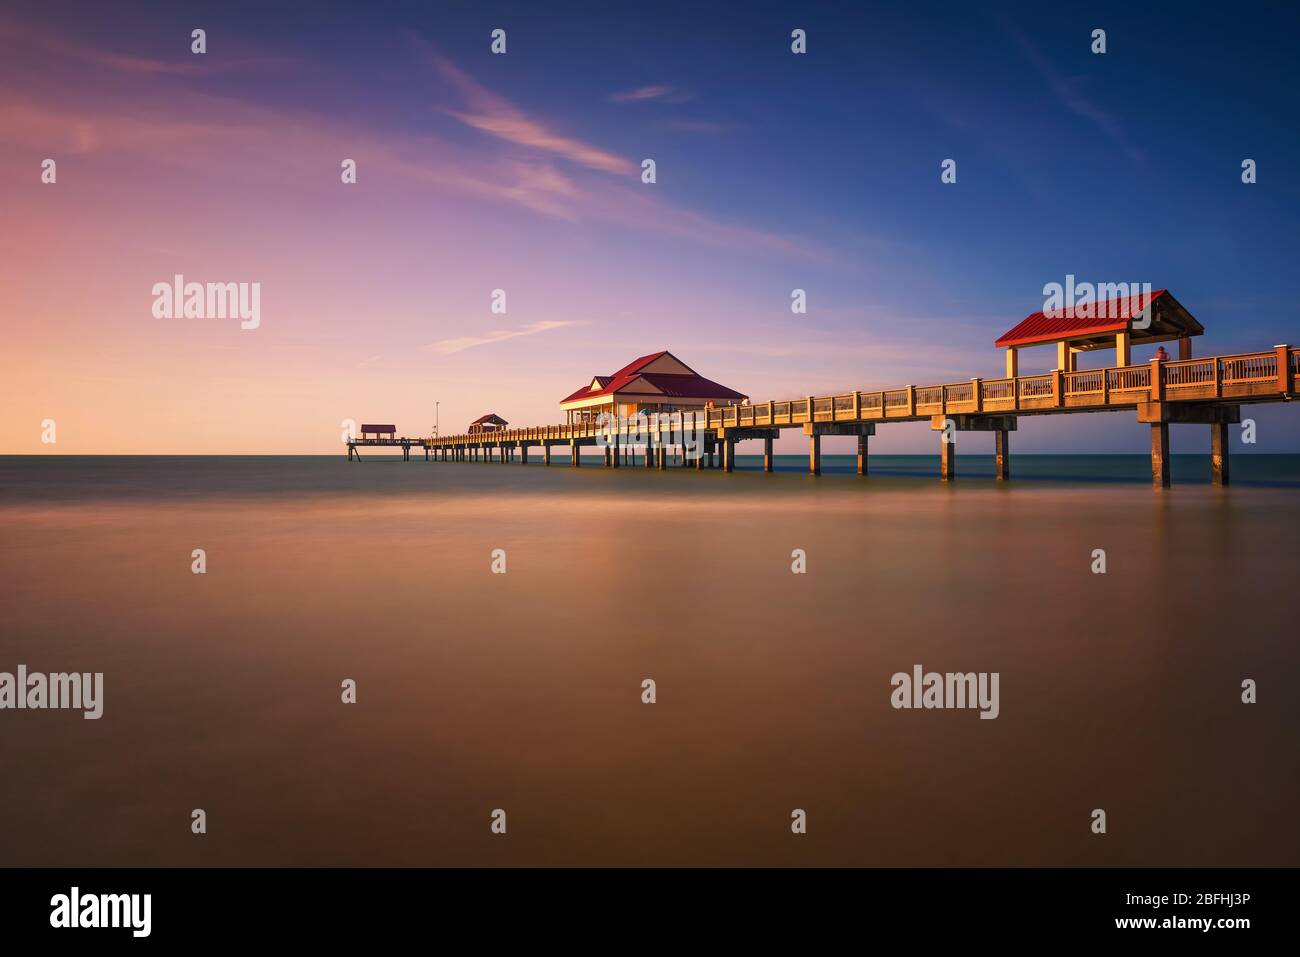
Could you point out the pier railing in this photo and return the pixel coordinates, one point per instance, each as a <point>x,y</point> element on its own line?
<point>1251,376</point>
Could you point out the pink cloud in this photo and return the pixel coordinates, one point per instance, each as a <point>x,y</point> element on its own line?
<point>657,91</point>
<point>497,116</point>
<point>461,343</point>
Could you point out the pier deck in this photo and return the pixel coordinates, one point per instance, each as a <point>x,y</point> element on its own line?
<point>1208,391</point>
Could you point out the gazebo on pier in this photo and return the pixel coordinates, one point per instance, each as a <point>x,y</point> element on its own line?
<point>1117,324</point>
<point>659,382</point>
<point>487,423</point>
<point>370,432</point>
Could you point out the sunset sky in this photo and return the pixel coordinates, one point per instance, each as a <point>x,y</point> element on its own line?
<point>522,172</point>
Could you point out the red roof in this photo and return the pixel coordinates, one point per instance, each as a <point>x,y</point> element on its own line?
<point>1097,318</point>
<point>675,385</point>
<point>378,428</point>
<point>490,417</point>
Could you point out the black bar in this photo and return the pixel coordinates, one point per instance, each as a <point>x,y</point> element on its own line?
<point>211,906</point>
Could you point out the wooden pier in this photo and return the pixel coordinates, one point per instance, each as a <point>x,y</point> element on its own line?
<point>385,435</point>
<point>1206,391</point>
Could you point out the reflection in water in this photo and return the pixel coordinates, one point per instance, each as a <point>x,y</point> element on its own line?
<point>522,691</point>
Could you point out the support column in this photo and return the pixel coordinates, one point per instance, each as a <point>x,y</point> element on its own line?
<point>767,454</point>
<point>606,453</point>
<point>1219,453</point>
<point>700,460</point>
<point>576,452</point>
<point>661,453</point>
<point>815,454</point>
<point>728,454</point>
<point>546,453</point>
<point>649,456</point>
<point>1160,454</point>
<point>349,453</point>
<point>523,455</point>
<point>614,454</point>
<point>862,454</point>
<point>948,458</point>
<point>1002,455</point>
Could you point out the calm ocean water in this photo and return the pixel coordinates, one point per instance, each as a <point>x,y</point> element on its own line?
<point>522,691</point>
<point>27,478</point>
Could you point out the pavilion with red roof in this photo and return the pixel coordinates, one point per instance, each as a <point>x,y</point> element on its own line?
<point>488,423</point>
<point>659,382</point>
<point>1118,323</point>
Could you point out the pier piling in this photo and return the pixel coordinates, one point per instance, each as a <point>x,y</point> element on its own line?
<point>1219,453</point>
<point>948,457</point>
<point>1160,454</point>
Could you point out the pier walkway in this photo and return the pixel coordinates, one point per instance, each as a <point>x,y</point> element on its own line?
<point>1208,391</point>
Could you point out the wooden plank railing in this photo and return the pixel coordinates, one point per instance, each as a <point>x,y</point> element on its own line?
<point>1256,367</point>
<point>1189,373</point>
<point>1129,379</point>
<point>1245,376</point>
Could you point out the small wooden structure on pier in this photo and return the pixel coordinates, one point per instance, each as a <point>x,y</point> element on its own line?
<point>1208,391</point>
<point>487,423</point>
<point>385,435</point>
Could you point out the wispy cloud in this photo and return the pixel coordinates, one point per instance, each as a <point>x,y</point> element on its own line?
<point>65,48</point>
<point>149,123</point>
<point>495,115</point>
<point>657,91</point>
<point>1068,92</point>
<point>447,347</point>
<point>705,127</point>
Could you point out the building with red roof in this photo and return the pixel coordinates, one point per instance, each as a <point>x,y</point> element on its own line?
<point>659,382</point>
<point>487,423</point>
<point>1116,323</point>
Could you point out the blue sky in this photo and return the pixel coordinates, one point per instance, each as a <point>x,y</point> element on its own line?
<point>778,171</point>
